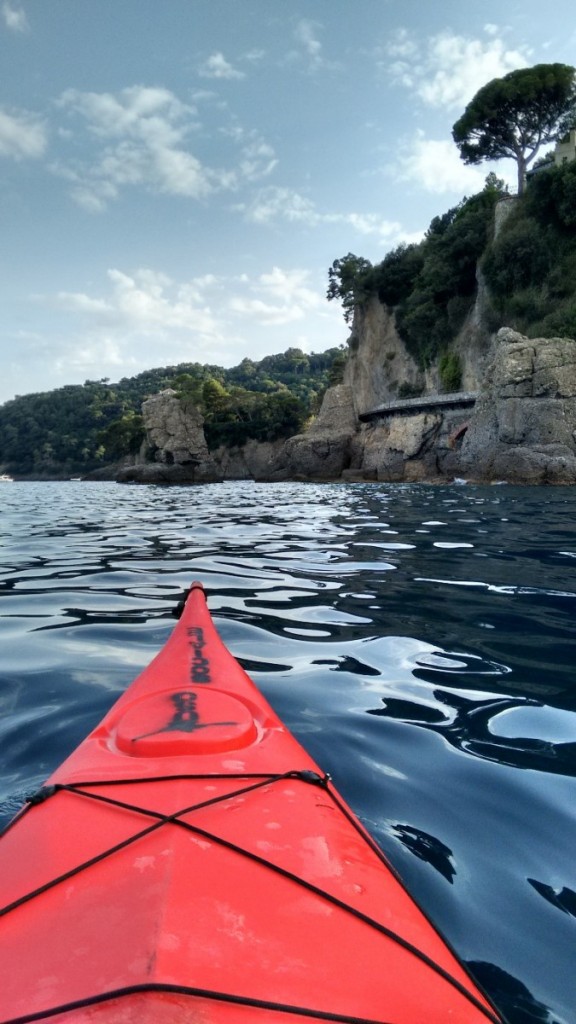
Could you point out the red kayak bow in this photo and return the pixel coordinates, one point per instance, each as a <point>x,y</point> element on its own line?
<point>190,862</point>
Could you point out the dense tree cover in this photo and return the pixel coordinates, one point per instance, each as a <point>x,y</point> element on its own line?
<point>443,291</point>
<point>234,415</point>
<point>431,285</point>
<point>77,428</point>
<point>349,281</point>
<point>531,266</point>
<point>394,278</point>
<point>241,415</point>
<point>516,115</point>
<point>58,431</point>
<point>530,270</point>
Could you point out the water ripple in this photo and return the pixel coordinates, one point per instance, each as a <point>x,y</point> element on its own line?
<point>419,640</point>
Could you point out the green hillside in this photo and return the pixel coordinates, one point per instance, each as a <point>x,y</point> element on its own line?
<point>74,429</point>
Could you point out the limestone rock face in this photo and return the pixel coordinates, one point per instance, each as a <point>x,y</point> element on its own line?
<point>524,425</point>
<point>378,362</point>
<point>402,447</point>
<point>325,450</point>
<point>337,413</point>
<point>176,443</point>
<point>252,461</point>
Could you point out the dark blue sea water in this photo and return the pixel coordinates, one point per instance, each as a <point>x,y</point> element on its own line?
<point>418,640</point>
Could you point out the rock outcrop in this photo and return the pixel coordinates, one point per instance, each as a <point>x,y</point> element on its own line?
<point>252,461</point>
<point>325,451</point>
<point>175,450</point>
<point>523,429</point>
<point>400,448</point>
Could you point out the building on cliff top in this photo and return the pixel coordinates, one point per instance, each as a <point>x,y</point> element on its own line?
<point>565,150</point>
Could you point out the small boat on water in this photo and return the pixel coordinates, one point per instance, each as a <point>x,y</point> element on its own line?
<point>190,862</point>
<point>5,479</point>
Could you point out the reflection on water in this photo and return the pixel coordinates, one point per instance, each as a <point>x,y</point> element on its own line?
<point>418,640</point>
<point>428,848</point>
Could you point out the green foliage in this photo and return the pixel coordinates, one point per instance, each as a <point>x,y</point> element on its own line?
<point>519,257</point>
<point>336,371</point>
<point>431,286</point>
<point>561,322</point>
<point>551,198</point>
<point>123,436</point>
<point>516,115</point>
<point>393,279</point>
<point>407,390</point>
<point>527,306</point>
<point>530,267</point>
<point>349,279</point>
<point>75,429</point>
<point>58,432</point>
<point>450,369</point>
<point>242,415</point>
<point>443,291</point>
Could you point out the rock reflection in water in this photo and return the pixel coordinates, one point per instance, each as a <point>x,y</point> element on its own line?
<point>563,899</point>
<point>511,995</point>
<point>465,723</point>
<point>428,848</point>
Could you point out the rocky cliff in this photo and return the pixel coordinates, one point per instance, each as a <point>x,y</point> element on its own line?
<point>175,449</point>
<point>524,425</point>
<point>522,428</point>
<point>380,367</point>
<point>378,362</point>
<point>326,450</point>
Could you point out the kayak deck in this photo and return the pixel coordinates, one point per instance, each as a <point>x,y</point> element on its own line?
<point>190,862</point>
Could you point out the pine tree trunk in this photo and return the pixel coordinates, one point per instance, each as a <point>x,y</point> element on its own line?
<point>521,174</point>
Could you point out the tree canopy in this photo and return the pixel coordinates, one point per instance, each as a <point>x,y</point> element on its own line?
<point>430,285</point>
<point>514,116</point>
<point>347,278</point>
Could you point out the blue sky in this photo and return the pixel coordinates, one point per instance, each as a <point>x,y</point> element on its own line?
<point>178,175</point>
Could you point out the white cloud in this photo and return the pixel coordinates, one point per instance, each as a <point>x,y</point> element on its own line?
<point>368,224</point>
<point>254,56</point>
<point>257,157</point>
<point>306,35</point>
<point>309,52</point>
<point>448,69</point>
<point>140,136</point>
<point>216,66</point>
<point>22,135</point>
<point>279,203</point>
<point>139,110</point>
<point>435,165</point>
<point>145,318</point>
<point>146,303</point>
<point>258,160</point>
<point>402,45</point>
<point>14,18</point>
<point>266,313</point>
<point>274,204</point>
<point>279,297</point>
<point>77,302</point>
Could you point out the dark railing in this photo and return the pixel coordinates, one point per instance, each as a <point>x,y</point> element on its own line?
<point>425,403</point>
